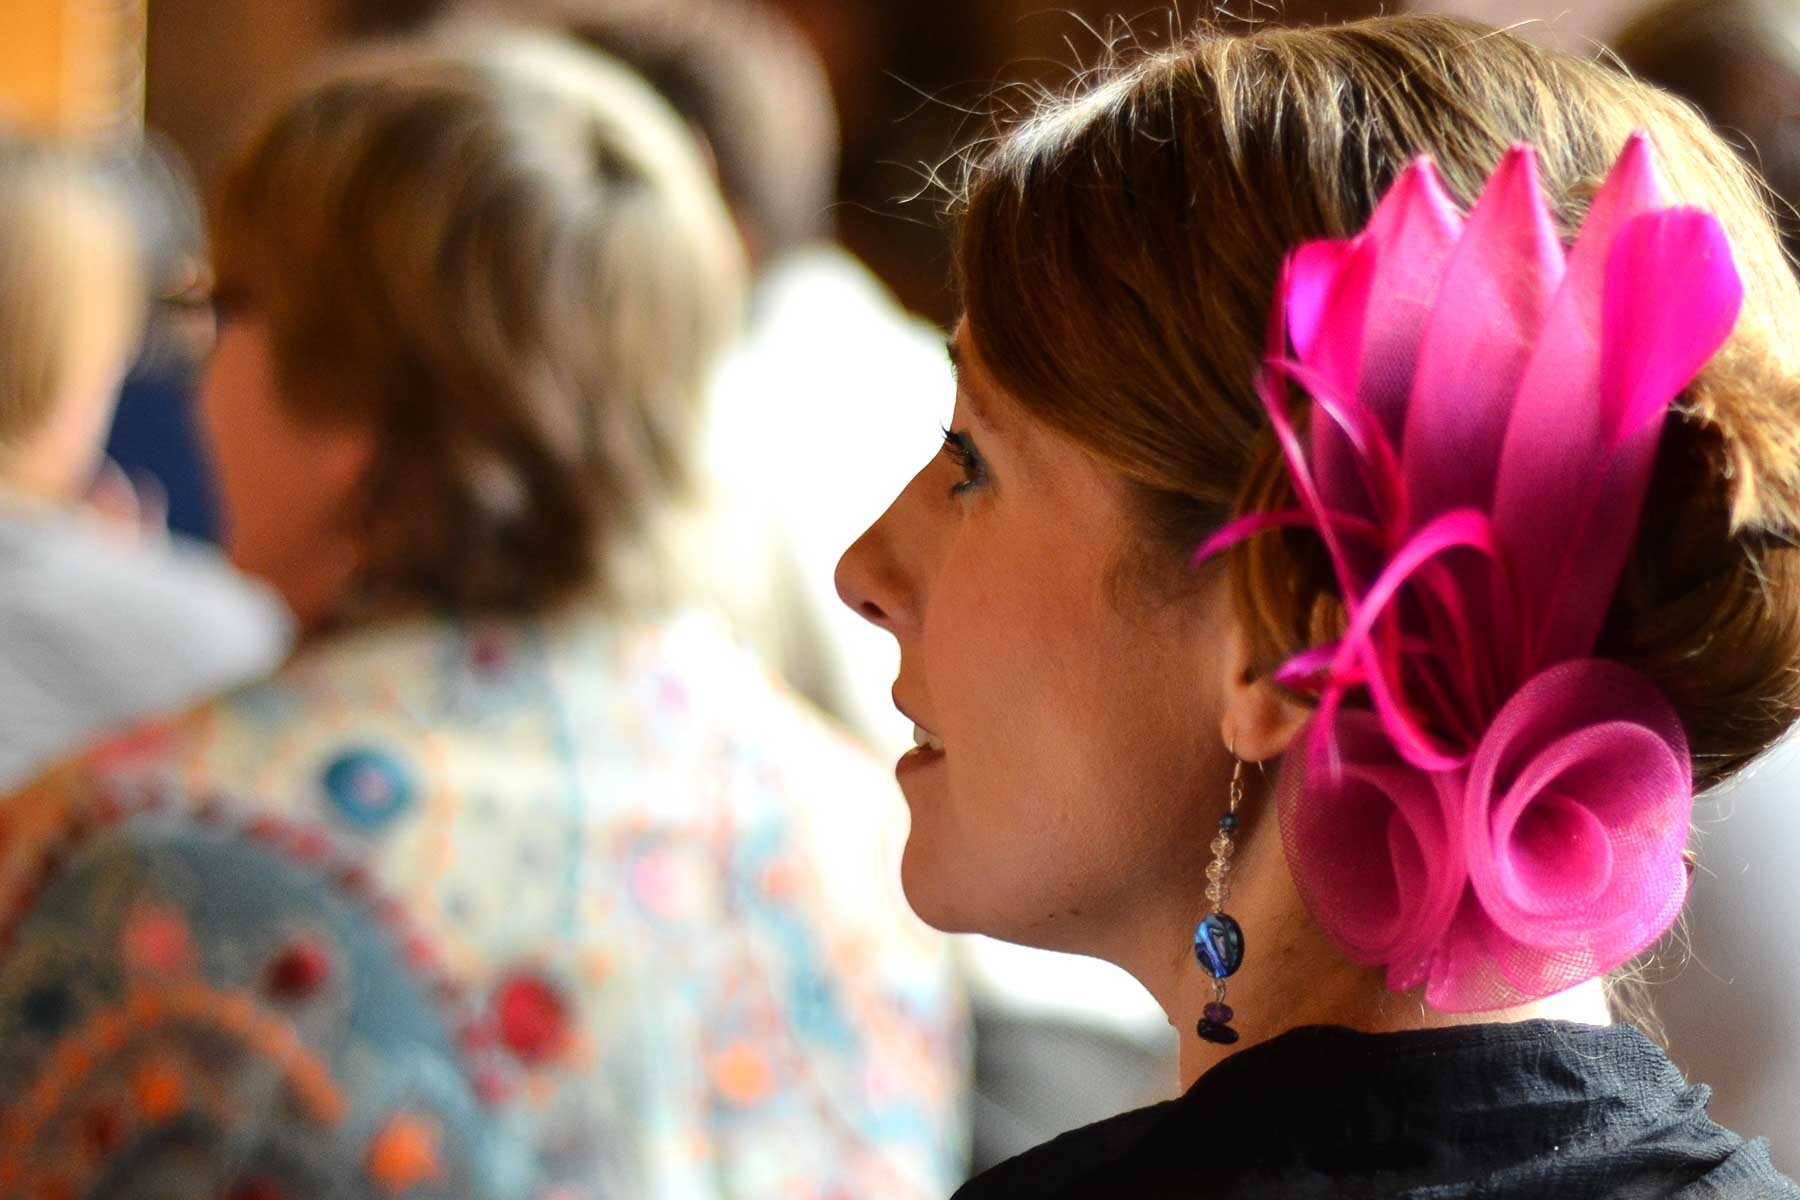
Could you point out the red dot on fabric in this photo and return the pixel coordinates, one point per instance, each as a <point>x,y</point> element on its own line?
<point>476,1036</point>
<point>489,653</point>
<point>258,1188</point>
<point>421,955</point>
<point>532,1018</point>
<point>156,940</point>
<point>299,970</point>
<point>103,1130</point>
<point>354,879</point>
<point>310,846</point>
<point>492,1087</point>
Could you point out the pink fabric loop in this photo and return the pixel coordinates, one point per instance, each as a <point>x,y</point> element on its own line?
<point>1383,876</point>
<point>1506,816</point>
<point>1601,752</point>
<point>1553,855</point>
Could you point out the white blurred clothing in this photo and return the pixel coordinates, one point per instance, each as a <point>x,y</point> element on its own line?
<point>1729,1011</point>
<point>98,630</point>
<point>824,412</point>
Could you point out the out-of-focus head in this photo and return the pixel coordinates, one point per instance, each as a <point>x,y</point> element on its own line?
<point>71,312</point>
<point>472,292</point>
<point>1119,252</point>
<point>1739,62</point>
<point>171,220</point>
<point>748,83</point>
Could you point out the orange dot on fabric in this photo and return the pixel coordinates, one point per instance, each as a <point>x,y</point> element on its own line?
<point>160,1090</point>
<point>742,1074</point>
<point>532,1018</point>
<point>539,1092</point>
<point>781,879</point>
<point>405,1154</point>
<point>157,941</point>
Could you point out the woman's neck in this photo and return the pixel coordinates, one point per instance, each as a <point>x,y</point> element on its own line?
<point>1292,975</point>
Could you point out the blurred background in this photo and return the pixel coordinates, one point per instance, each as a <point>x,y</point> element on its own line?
<point>908,76</point>
<point>1059,1042</point>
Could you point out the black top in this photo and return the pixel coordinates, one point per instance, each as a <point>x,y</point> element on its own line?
<point>1499,1112</point>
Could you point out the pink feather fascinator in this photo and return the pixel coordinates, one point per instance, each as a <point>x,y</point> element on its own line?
<point>1504,816</point>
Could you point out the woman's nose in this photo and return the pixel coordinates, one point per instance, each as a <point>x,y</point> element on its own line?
<point>884,573</point>
<point>858,579</point>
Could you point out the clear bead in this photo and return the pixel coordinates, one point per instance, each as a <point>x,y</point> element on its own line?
<point>1215,871</point>
<point>1223,846</point>
<point>1218,892</point>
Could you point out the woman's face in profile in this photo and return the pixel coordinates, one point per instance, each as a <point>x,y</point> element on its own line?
<point>1072,716</point>
<point>286,485</point>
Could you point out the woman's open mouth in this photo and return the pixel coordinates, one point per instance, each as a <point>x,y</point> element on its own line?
<point>927,749</point>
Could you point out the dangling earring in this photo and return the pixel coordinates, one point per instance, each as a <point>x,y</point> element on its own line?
<point>1218,939</point>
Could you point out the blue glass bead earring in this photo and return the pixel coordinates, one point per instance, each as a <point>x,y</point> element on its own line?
<point>1218,940</point>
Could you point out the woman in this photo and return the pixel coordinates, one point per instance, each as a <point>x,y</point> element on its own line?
<point>103,619</point>
<point>471,297</point>
<point>1412,741</point>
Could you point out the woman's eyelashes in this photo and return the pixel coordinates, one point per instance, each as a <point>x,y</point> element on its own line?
<point>960,447</point>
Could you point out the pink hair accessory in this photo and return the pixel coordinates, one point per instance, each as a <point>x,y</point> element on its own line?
<point>1506,818</point>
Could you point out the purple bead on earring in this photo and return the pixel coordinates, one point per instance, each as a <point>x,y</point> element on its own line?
<point>1218,939</point>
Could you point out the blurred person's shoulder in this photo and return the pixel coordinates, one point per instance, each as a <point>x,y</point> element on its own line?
<point>97,633</point>
<point>249,741</point>
<point>66,578</point>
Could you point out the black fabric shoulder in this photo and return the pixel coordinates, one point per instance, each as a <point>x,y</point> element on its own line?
<point>1495,1112</point>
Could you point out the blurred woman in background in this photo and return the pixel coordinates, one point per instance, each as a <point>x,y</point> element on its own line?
<point>103,619</point>
<point>470,301</point>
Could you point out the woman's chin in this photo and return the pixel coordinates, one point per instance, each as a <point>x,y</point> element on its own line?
<point>940,897</point>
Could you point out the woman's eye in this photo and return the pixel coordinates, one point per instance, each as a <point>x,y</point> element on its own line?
<point>961,449</point>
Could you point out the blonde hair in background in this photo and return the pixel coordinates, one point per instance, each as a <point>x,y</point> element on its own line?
<point>71,291</point>
<point>1119,251</point>
<point>505,256</point>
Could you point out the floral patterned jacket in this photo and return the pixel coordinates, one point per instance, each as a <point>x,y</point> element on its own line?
<point>526,909</point>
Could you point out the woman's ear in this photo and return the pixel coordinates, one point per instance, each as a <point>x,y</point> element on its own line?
<point>1259,718</point>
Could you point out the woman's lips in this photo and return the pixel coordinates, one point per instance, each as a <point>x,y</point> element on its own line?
<point>917,759</point>
<point>928,747</point>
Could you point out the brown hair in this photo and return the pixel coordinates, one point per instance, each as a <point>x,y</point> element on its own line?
<point>509,261</point>
<point>71,280</point>
<point>745,79</point>
<point>1119,250</point>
